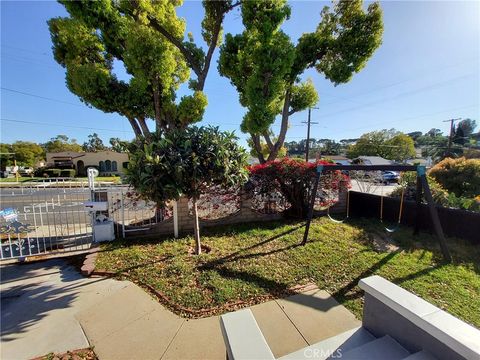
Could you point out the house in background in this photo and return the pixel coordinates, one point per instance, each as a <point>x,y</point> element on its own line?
<point>372,160</point>
<point>337,159</point>
<point>106,162</point>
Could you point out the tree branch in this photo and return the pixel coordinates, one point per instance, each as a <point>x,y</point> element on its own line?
<point>178,44</point>
<point>268,140</point>
<point>135,127</point>
<point>143,125</point>
<point>211,49</point>
<point>258,147</point>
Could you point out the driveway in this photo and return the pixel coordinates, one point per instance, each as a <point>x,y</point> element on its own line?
<point>39,302</point>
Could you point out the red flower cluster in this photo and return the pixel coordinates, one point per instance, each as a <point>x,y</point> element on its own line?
<point>293,178</point>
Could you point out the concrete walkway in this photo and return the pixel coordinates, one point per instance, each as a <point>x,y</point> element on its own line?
<point>39,302</point>
<point>131,325</point>
<point>51,308</point>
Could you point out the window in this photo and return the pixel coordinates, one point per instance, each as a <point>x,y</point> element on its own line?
<point>108,165</point>
<point>101,166</point>
<point>114,165</point>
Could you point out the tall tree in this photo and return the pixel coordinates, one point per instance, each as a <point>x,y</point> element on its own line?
<point>402,148</point>
<point>6,155</point>
<point>265,65</point>
<point>27,153</point>
<point>389,144</point>
<point>149,39</point>
<point>463,130</point>
<point>62,143</point>
<point>93,144</point>
<point>118,145</point>
<point>373,143</point>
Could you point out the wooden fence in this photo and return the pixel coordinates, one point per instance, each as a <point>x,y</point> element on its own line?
<point>455,222</point>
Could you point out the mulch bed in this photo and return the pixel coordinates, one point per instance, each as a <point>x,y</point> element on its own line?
<point>80,354</point>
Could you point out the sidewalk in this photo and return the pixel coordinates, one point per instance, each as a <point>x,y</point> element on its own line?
<point>49,307</point>
<point>131,325</point>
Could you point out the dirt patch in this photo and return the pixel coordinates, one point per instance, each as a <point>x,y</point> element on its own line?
<point>383,243</point>
<point>205,249</point>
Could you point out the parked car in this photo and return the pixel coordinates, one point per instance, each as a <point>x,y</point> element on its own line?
<point>390,176</point>
<point>26,171</point>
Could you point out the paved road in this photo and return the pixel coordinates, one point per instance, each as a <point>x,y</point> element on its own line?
<point>373,188</point>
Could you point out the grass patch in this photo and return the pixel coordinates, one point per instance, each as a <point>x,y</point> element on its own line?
<point>7,181</point>
<point>20,179</point>
<point>252,261</point>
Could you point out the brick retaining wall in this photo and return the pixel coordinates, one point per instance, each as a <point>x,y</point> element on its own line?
<point>244,215</point>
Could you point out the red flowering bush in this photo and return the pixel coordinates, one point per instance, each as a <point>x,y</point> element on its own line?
<point>294,179</point>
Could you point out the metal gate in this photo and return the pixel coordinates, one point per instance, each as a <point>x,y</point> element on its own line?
<point>46,217</point>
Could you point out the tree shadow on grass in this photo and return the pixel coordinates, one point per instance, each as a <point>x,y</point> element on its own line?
<point>351,291</point>
<point>211,265</point>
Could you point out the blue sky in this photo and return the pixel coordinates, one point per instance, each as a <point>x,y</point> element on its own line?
<point>427,70</point>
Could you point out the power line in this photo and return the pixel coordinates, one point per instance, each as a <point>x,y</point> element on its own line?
<point>413,117</point>
<point>23,49</point>
<point>52,124</point>
<point>378,88</point>
<point>40,97</point>
<point>406,93</point>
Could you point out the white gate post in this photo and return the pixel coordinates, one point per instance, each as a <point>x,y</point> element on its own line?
<point>175,219</point>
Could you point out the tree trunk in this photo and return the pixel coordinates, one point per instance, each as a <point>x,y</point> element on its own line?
<point>283,128</point>
<point>196,228</point>
<point>258,147</point>
<point>157,105</point>
<point>135,127</point>
<point>145,129</point>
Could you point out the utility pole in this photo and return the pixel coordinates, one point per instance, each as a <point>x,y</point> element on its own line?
<point>450,137</point>
<point>308,131</point>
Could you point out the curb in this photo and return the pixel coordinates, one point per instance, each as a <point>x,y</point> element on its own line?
<point>88,266</point>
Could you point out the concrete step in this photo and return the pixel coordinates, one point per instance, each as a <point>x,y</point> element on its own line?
<point>322,350</point>
<point>421,355</point>
<point>378,349</point>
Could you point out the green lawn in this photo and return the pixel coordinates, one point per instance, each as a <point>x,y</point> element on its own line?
<point>252,262</point>
<point>20,179</point>
<point>114,179</point>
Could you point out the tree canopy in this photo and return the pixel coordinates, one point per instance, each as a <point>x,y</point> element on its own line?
<point>389,144</point>
<point>24,152</point>
<point>265,65</point>
<point>62,143</point>
<point>93,144</point>
<point>148,38</point>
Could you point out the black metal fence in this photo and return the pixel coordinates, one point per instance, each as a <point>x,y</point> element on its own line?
<point>455,222</point>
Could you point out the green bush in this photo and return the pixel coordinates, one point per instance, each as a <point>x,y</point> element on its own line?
<point>67,173</point>
<point>408,180</point>
<point>53,172</point>
<point>440,195</point>
<point>459,176</point>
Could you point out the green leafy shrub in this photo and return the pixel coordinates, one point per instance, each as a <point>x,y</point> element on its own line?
<point>67,173</point>
<point>440,195</point>
<point>459,176</point>
<point>186,162</point>
<point>52,172</point>
<point>408,181</point>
